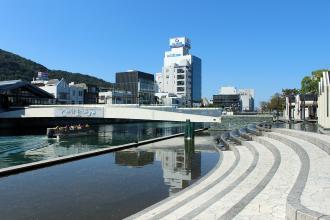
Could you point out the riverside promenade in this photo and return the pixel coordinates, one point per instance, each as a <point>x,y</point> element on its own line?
<point>282,174</point>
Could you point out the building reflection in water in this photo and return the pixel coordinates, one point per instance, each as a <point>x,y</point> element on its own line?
<point>133,132</point>
<point>134,158</point>
<point>104,136</point>
<point>180,166</point>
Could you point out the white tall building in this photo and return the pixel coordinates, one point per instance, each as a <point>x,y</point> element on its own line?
<point>247,99</point>
<point>181,73</point>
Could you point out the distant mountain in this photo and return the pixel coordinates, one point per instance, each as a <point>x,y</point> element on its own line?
<point>13,67</point>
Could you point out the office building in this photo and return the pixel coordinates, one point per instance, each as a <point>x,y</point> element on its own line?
<point>141,85</point>
<point>91,93</point>
<point>168,99</point>
<point>233,99</point>
<point>229,102</point>
<point>228,90</point>
<point>247,99</point>
<point>115,97</point>
<point>181,73</point>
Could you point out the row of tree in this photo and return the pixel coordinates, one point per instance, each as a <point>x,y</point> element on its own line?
<point>14,67</point>
<point>309,85</point>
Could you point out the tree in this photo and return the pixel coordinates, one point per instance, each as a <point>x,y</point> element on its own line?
<point>310,84</point>
<point>264,106</point>
<point>287,92</point>
<point>318,73</point>
<point>277,102</point>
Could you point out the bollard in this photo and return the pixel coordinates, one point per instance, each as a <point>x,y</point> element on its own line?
<point>189,130</point>
<point>189,146</point>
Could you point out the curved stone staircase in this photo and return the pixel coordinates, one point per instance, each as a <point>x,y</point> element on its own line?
<point>283,174</point>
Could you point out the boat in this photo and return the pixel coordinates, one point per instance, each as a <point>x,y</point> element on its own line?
<point>69,131</point>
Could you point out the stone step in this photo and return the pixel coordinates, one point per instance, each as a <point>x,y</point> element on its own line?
<point>310,196</point>
<point>249,158</point>
<point>320,140</point>
<point>228,162</point>
<point>270,203</point>
<point>282,175</point>
<point>200,197</point>
<point>247,189</point>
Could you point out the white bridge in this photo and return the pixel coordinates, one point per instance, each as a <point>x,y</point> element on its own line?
<point>156,113</point>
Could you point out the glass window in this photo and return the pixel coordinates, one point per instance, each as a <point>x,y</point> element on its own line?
<point>180,83</point>
<point>180,71</point>
<point>180,89</point>
<point>180,76</point>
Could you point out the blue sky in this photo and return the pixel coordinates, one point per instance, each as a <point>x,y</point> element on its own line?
<point>265,45</point>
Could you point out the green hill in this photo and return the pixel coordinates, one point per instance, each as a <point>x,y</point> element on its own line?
<point>13,67</point>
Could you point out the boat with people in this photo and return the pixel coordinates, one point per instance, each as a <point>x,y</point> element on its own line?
<point>69,131</point>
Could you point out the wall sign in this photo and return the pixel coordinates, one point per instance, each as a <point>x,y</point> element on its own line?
<point>79,112</point>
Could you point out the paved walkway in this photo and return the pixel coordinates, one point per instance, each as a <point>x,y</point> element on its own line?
<point>284,174</point>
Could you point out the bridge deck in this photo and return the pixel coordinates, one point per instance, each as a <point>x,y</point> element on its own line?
<point>106,111</point>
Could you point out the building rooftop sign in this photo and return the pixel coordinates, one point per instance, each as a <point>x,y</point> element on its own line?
<point>180,42</point>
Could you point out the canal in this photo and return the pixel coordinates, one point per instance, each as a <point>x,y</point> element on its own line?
<point>21,149</point>
<point>109,186</point>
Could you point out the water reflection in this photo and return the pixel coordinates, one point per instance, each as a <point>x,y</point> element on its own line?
<point>109,186</point>
<point>303,126</point>
<point>134,158</point>
<point>180,165</point>
<point>16,150</point>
